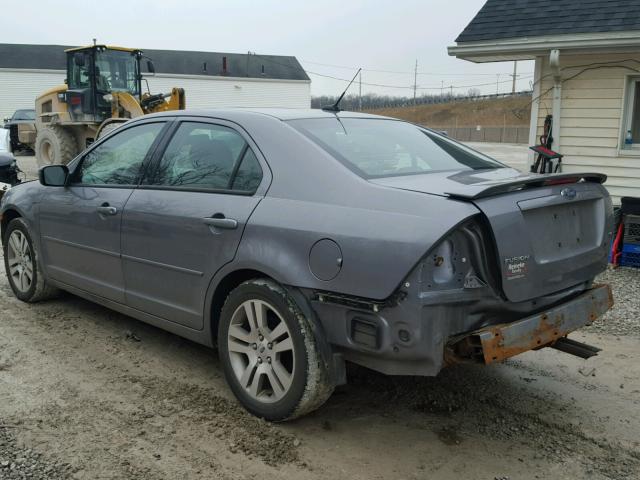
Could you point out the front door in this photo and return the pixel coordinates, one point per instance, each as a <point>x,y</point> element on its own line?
<point>186,219</point>
<point>80,224</point>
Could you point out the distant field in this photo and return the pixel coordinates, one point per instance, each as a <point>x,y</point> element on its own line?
<point>494,112</point>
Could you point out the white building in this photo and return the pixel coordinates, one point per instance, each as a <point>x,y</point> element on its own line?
<point>587,76</point>
<point>210,79</point>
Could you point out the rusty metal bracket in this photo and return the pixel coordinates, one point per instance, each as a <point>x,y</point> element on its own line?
<point>498,342</point>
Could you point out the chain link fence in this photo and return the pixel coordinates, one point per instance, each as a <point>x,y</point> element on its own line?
<point>502,134</point>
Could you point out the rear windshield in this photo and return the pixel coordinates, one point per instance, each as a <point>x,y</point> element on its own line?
<point>385,148</point>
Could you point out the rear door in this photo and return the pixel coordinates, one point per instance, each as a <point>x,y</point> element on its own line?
<point>80,223</point>
<point>549,238</point>
<point>187,218</point>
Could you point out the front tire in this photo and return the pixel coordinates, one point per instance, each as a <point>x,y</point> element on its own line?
<point>269,354</point>
<point>55,145</point>
<point>22,264</point>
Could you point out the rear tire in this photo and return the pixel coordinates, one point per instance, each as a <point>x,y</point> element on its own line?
<point>23,266</point>
<point>55,145</point>
<point>273,366</point>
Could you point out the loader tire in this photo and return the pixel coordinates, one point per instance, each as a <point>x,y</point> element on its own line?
<point>55,146</point>
<point>107,128</point>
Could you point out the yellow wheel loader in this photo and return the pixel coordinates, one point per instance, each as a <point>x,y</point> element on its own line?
<point>103,89</point>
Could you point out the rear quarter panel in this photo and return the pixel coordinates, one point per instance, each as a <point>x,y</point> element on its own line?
<point>379,248</point>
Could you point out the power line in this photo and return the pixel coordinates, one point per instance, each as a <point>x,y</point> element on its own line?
<point>381,85</point>
<point>411,87</point>
<point>406,72</point>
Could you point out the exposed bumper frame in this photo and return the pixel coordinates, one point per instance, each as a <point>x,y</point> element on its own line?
<point>498,342</point>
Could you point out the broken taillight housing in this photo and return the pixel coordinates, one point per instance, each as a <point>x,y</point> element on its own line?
<point>463,259</point>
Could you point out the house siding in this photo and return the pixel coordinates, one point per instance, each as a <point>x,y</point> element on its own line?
<point>19,89</point>
<point>591,118</point>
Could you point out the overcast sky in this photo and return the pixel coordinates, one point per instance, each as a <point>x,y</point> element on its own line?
<point>324,36</point>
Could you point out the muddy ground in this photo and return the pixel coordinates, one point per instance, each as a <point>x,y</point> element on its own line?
<point>86,393</point>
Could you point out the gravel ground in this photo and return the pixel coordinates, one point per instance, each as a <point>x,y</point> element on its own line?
<point>624,318</point>
<point>86,393</point>
<point>18,462</point>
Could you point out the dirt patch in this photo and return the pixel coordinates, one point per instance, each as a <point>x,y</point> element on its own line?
<point>493,112</point>
<point>93,394</point>
<point>224,418</point>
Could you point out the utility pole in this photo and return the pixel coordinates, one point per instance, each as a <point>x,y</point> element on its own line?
<point>452,91</point>
<point>442,89</point>
<point>360,92</point>
<point>515,74</point>
<point>415,83</point>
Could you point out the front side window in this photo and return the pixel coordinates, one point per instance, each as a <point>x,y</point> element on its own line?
<point>118,160</point>
<point>384,148</point>
<point>117,71</point>
<point>207,157</point>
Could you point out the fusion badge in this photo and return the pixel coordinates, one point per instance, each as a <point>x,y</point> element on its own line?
<point>516,267</point>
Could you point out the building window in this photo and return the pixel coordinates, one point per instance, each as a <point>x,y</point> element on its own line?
<point>631,124</point>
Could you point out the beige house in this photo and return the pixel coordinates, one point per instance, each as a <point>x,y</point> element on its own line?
<point>587,76</point>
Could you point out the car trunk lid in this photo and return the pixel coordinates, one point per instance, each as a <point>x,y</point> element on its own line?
<point>551,232</point>
<point>549,238</point>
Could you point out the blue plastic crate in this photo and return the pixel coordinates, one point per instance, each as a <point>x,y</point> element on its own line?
<point>630,248</point>
<point>630,259</point>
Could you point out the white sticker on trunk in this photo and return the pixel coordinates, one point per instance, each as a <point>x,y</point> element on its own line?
<point>516,267</point>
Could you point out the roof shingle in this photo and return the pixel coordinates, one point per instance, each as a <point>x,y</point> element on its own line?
<point>501,19</point>
<point>52,57</point>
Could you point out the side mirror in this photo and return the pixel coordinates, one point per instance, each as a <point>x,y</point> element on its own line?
<point>150,67</point>
<point>53,175</point>
<point>78,59</point>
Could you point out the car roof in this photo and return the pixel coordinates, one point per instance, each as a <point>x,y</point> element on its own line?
<point>279,113</point>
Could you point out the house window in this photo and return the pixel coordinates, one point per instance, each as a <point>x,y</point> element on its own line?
<point>631,130</point>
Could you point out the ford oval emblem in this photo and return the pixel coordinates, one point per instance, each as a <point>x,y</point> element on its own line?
<point>568,193</point>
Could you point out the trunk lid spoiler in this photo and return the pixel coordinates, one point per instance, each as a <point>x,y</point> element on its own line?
<point>470,185</point>
<point>488,189</point>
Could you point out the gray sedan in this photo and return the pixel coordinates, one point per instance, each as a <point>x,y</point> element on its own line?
<point>297,240</point>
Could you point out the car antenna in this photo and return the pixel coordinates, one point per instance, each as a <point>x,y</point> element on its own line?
<point>336,106</point>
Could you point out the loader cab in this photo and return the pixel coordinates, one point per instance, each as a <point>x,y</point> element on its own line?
<point>93,73</point>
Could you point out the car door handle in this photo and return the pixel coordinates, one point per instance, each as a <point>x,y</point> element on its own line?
<point>107,210</point>
<point>221,222</point>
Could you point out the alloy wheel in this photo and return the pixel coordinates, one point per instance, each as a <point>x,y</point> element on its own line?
<point>261,351</point>
<point>20,261</point>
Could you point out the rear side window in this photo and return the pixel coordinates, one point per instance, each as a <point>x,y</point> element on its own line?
<point>249,173</point>
<point>203,156</point>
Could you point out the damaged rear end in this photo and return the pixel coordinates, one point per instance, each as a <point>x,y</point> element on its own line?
<point>550,236</point>
<point>515,277</point>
